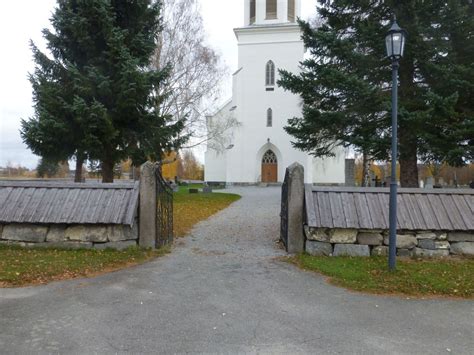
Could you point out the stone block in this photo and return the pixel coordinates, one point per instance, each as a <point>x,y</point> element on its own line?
<point>462,248</point>
<point>351,250</point>
<point>367,238</point>
<point>460,237</point>
<point>317,234</point>
<point>1,230</point>
<point>343,236</point>
<point>120,245</point>
<point>426,235</point>
<point>25,233</point>
<point>117,233</point>
<point>404,241</point>
<point>427,244</point>
<point>441,236</point>
<point>83,233</point>
<point>380,251</point>
<point>318,248</point>
<point>430,253</point>
<point>56,233</point>
<point>442,245</point>
<point>405,252</point>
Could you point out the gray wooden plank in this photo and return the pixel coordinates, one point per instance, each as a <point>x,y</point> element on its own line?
<point>385,205</point>
<point>13,203</point>
<point>440,213</point>
<point>424,206</point>
<point>415,213</point>
<point>466,213</point>
<point>387,190</point>
<point>453,213</point>
<point>123,197</point>
<point>376,215</point>
<point>31,215</point>
<point>337,213</point>
<point>365,220</point>
<point>312,209</point>
<point>349,208</point>
<point>403,213</point>
<point>133,206</point>
<point>324,210</point>
<point>5,202</point>
<point>4,198</point>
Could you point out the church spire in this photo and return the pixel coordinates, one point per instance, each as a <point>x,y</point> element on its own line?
<point>270,12</point>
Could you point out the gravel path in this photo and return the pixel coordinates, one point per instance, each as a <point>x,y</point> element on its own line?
<point>223,290</point>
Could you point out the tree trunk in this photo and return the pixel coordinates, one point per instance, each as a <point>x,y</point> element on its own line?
<point>408,159</point>
<point>107,170</point>
<point>78,173</point>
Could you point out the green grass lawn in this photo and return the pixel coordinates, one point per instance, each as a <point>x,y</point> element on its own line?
<point>416,277</point>
<point>26,266</point>
<point>190,209</point>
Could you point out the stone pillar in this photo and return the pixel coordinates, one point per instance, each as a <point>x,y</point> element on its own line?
<point>295,208</point>
<point>147,212</point>
<point>350,172</point>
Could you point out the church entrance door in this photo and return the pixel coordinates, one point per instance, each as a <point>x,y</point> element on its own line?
<point>269,167</point>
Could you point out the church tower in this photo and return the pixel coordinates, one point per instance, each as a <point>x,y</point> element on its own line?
<point>259,149</point>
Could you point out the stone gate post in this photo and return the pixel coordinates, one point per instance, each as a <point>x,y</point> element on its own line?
<point>295,208</point>
<point>148,205</point>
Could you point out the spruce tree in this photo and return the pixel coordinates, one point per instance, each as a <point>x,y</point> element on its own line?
<point>96,96</point>
<point>345,84</point>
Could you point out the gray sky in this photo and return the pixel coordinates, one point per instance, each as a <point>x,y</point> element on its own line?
<point>21,21</point>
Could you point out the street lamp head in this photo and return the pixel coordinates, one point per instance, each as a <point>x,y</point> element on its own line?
<point>395,41</point>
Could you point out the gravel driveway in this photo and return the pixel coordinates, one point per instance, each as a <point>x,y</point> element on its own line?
<point>223,290</point>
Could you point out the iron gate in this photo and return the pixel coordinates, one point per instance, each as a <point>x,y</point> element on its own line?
<point>164,210</point>
<point>284,211</point>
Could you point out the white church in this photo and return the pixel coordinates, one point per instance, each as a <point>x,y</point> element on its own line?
<point>258,149</point>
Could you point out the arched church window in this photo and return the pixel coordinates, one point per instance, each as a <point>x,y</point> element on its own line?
<point>271,9</point>
<point>269,158</point>
<point>291,10</point>
<point>269,117</point>
<point>270,74</point>
<point>253,11</point>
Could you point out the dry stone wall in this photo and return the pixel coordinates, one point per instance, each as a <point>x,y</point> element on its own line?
<point>357,242</point>
<point>69,236</point>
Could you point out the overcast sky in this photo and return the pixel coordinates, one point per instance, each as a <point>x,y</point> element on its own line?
<point>23,20</point>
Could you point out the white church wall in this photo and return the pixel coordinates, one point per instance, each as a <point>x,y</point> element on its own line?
<point>330,170</point>
<point>215,166</point>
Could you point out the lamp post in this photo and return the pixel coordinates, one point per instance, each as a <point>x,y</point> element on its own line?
<point>395,43</point>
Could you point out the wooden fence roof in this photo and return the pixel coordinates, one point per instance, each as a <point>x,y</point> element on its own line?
<point>368,208</point>
<point>68,203</point>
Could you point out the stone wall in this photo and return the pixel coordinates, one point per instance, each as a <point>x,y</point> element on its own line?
<point>354,242</point>
<point>69,236</point>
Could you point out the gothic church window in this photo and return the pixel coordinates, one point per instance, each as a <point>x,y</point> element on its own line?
<point>269,158</point>
<point>291,10</point>
<point>253,11</point>
<point>269,117</point>
<point>272,9</point>
<point>270,74</point>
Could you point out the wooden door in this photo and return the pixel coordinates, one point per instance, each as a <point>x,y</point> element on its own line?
<point>269,167</point>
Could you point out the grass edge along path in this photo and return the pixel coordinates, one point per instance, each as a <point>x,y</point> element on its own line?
<point>21,266</point>
<point>190,209</point>
<point>447,277</point>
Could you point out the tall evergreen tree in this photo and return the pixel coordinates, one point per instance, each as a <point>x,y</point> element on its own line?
<point>345,84</point>
<point>96,96</point>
